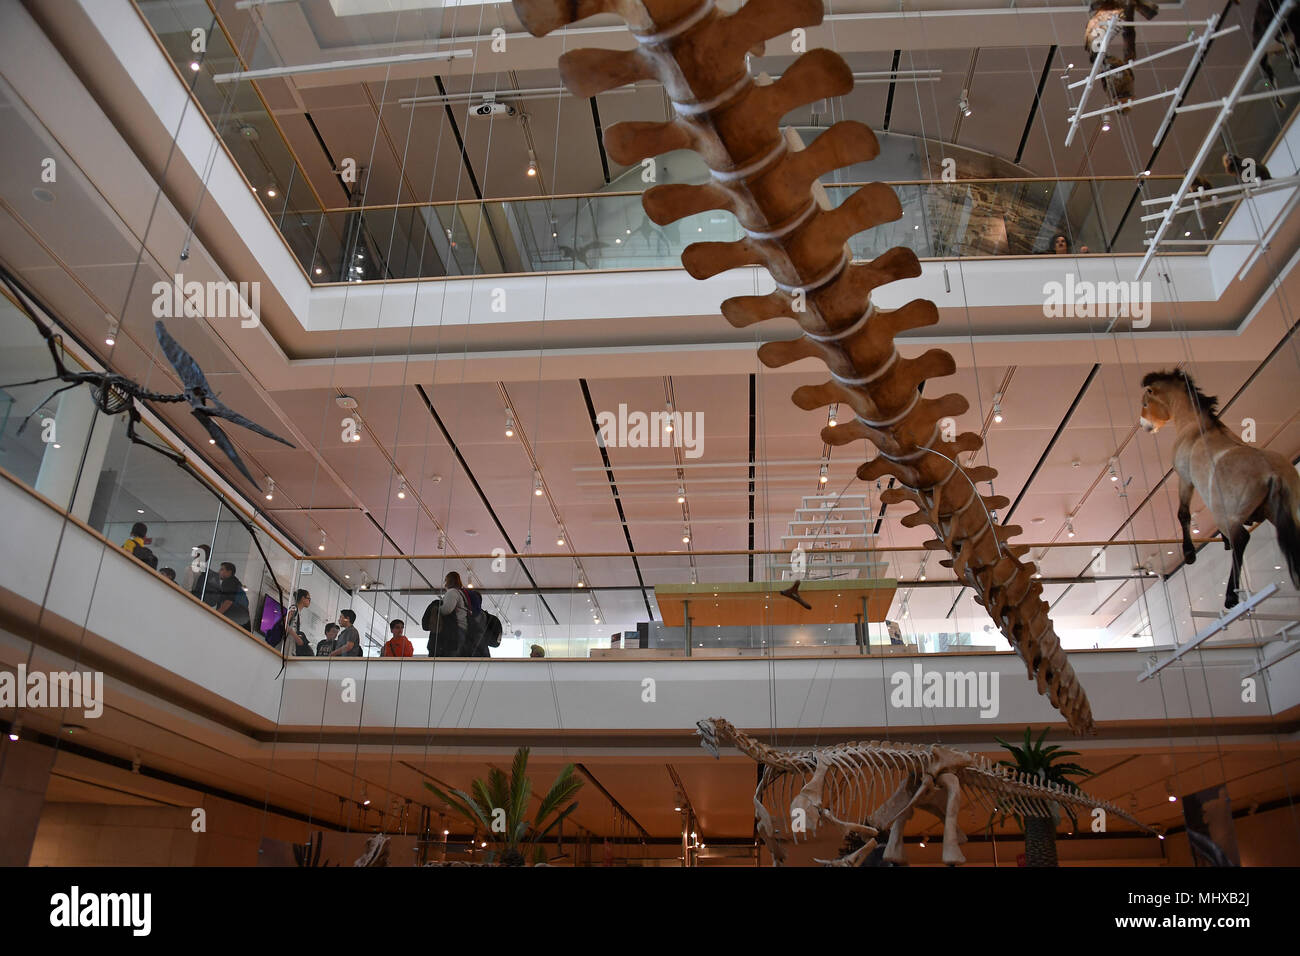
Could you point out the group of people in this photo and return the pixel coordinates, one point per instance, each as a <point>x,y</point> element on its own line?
<point>341,639</point>
<point>220,589</point>
<point>446,620</point>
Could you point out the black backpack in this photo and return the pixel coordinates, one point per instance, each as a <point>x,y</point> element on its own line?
<point>429,622</point>
<point>275,635</point>
<point>492,630</point>
<point>145,556</point>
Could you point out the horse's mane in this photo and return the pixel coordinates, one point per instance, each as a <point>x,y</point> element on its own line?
<point>1209,404</point>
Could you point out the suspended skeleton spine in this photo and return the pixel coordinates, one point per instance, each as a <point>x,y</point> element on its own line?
<point>768,180</point>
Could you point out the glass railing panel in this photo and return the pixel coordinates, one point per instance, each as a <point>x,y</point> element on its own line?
<point>607,232</point>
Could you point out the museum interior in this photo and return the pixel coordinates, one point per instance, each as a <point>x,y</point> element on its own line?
<point>654,433</point>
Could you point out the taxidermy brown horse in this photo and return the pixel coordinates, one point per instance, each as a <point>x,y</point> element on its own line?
<point>1240,484</point>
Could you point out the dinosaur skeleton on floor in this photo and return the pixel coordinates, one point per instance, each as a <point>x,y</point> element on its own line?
<point>768,180</point>
<point>867,787</point>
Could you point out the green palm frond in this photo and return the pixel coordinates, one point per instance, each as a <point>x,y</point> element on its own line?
<point>556,822</point>
<point>461,803</point>
<point>521,788</point>
<point>564,787</point>
<point>512,794</point>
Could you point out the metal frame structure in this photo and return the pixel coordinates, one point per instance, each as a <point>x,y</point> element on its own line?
<point>1200,44</point>
<point>1222,621</point>
<point>1225,106</point>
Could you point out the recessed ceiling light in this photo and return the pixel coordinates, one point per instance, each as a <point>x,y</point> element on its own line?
<point>44,195</point>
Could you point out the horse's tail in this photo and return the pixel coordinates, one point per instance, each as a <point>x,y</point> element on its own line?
<point>1284,503</point>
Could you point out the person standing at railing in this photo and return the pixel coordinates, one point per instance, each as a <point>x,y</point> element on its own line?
<point>232,599</point>
<point>349,641</point>
<point>455,605</point>
<point>398,645</point>
<point>326,646</point>
<point>136,545</point>
<point>293,623</point>
<point>205,584</point>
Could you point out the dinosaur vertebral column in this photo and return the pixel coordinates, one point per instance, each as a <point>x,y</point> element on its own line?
<point>881,783</point>
<point>765,177</point>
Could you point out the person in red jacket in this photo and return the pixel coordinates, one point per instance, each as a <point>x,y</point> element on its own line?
<point>398,645</point>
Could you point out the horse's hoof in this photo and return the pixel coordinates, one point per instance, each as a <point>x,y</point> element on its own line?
<point>1230,601</point>
<point>1189,557</point>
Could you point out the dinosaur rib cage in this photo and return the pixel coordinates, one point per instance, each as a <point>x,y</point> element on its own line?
<point>863,776</point>
<point>768,180</point>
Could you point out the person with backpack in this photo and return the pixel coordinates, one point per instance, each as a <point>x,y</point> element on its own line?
<point>232,599</point>
<point>453,611</point>
<point>299,646</point>
<point>136,545</point>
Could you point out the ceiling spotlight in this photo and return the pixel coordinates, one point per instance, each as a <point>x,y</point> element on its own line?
<point>581,583</point>
<point>532,167</point>
<point>16,729</point>
<point>1114,475</point>
<point>1069,528</point>
<point>110,338</point>
<point>823,478</point>
<point>832,420</point>
<point>559,539</point>
<point>401,490</point>
<point>537,483</point>
<point>668,420</point>
<point>997,413</point>
<point>686,534</point>
<point>194,65</point>
<point>442,540</point>
<point>510,424</point>
<point>1105,123</point>
<point>681,493</point>
<point>963,104</point>
<point>270,488</point>
<point>321,546</point>
<point>319,270</point>
<point>270,192</point>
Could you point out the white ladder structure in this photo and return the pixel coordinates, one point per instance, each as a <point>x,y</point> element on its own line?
<point>832,532</point>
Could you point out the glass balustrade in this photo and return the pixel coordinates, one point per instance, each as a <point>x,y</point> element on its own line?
<point>609,231</point>
<point>866,599</point>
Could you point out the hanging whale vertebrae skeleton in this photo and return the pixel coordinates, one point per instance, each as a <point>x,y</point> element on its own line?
<point>768,180</point>
<point>880,783</point>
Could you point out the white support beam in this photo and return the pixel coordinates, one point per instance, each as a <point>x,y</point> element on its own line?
<point>1247,98</point>
<point>1202,44</point>
<point>401,59</point>
<point>1211,137</point>
<point>1092,78</point>
<point>1241,610</point>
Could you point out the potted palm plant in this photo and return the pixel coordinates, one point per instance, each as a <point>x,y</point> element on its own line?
<point>499,805</point>
<point>1035,760</point>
